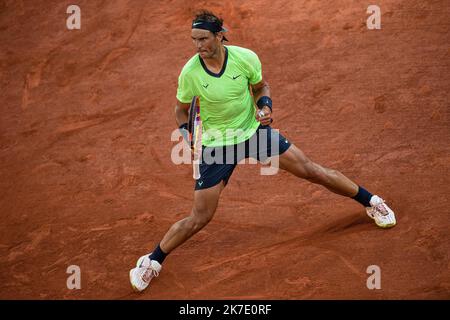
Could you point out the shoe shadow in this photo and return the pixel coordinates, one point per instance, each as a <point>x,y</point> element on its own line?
<point>354,223</point>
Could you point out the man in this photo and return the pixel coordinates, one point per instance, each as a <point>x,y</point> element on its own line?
<point>220,75</point>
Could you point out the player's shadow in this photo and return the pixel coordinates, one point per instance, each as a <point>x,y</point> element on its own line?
<point>354,223</point>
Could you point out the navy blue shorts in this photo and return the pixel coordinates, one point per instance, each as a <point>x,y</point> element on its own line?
<point>217,163</point>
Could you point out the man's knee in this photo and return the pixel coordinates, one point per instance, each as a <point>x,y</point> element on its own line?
<point>306,169</point>
<point>200,218</point>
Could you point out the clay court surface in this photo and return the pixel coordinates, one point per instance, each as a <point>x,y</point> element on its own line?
<point>86,176</point>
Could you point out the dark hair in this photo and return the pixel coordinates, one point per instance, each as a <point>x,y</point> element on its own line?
<point>205,15</point>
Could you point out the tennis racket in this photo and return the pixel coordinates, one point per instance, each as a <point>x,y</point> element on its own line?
<point>195,135</point>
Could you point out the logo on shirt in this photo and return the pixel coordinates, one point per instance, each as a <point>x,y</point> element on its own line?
<point>235,77</point>
<point>205,85</point>
<point>200,183</point>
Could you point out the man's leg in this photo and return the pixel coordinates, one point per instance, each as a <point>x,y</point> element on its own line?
<point>205,205</point>
<point>296,162</point>
<point>149,266</point>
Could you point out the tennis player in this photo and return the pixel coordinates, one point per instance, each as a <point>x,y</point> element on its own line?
<point>228,80</point>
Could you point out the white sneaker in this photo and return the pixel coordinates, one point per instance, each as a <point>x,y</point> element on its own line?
<point>143,261</point>
<point>379,211</point>
<point>144,272</point>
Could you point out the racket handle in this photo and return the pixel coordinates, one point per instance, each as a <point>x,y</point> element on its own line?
<point>196,167</point>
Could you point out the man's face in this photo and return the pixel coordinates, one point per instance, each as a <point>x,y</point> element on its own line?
<point>206,43</point>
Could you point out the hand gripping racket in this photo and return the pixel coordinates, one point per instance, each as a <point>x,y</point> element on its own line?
<point>195,135</point>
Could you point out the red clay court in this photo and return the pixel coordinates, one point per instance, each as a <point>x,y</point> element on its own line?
<point>86,177</point>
